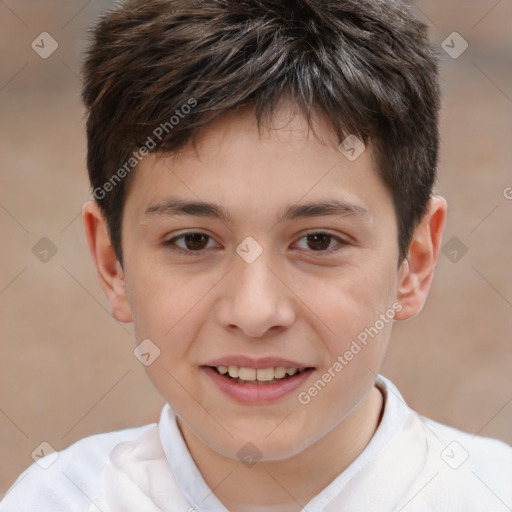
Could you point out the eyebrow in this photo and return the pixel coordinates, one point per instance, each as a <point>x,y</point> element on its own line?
<point>176,207</point>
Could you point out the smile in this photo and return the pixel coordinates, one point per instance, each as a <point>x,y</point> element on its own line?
<point>256,385</point>
<point>257,375</point>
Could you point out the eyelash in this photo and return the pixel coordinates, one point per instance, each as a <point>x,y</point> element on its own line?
<point>171,243</point>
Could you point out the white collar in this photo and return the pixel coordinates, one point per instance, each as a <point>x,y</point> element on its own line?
<point>156,473</point>
<point>398,428</point>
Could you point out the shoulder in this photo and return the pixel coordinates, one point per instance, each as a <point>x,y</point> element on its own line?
<point>486,461</point>
<point>472,471</point>
<point>479,451</point>
<point>66,480</point>
<point>480,454</point>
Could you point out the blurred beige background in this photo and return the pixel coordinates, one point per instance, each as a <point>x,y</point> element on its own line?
<point>67,369</point>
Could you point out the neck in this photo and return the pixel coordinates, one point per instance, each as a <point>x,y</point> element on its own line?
<point>288,485</point>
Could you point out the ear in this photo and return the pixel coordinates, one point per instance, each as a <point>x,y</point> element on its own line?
<point>417,270</point>
<point>110,273</point>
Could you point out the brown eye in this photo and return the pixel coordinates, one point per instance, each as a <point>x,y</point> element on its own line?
<point>319,242</point>
<point>195,241</point>
<point>191,242</point>
<point>322,242</point>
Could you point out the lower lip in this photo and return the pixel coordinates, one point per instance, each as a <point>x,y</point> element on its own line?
<point>256,393</point>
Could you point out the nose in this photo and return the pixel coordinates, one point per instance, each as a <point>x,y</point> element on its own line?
<point>255,299</point>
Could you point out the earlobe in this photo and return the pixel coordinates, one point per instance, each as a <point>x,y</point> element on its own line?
<point>110,273</point>
<point>416,272</point>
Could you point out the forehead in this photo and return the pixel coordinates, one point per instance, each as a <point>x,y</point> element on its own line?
<point>234,165</point>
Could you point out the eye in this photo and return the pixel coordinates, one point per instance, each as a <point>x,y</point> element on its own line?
<point>321,241</point>
<point>194,242</point>
<point>197,242</point>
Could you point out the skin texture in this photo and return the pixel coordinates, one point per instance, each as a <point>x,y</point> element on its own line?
<point>294,301</point>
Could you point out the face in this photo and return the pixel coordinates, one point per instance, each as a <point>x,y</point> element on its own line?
<point>272,257</point>
<point>272,285</point>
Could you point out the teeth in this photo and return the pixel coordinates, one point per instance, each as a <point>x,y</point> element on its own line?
<point>247,373</point>
<point>279,372</point>
<point>260,374</point>
<point>233,371</point>
<point>264,374</point>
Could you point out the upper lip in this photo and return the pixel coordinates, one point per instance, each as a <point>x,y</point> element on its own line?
<point>259,363</point>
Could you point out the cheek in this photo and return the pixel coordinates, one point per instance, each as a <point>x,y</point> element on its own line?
<point>356,309</point>
<point>169,308</point>
<point>162,298</point>
<point>351,301</point>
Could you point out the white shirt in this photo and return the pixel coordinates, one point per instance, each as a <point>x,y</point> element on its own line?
<point>411,464</point>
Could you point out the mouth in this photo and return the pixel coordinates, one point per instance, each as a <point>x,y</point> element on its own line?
<point>258,376</point>
<point>256,382</point>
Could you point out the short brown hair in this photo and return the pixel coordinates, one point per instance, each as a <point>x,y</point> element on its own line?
<point>366,65</point>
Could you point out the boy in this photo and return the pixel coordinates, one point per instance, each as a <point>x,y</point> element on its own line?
<point>262,173</point>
